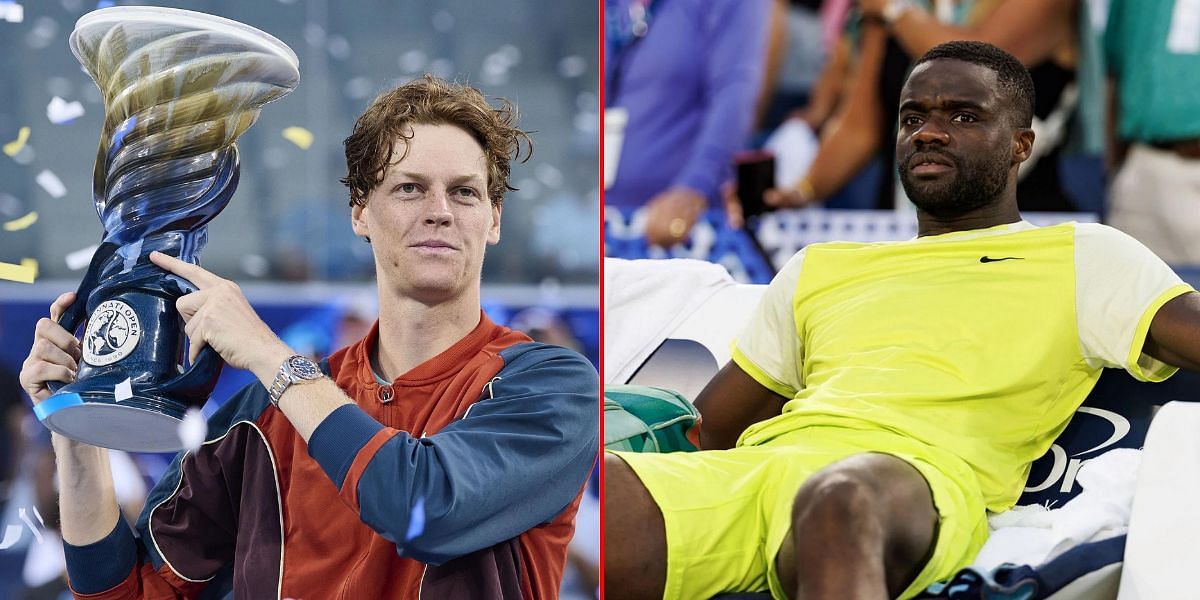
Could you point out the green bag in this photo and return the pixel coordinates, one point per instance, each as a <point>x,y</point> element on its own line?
<point>639,418</point>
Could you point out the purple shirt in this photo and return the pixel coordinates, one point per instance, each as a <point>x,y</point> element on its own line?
<point>690,86</point>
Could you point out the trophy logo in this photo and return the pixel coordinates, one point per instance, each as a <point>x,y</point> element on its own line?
<point>112,333</point>
<point>179,88</point>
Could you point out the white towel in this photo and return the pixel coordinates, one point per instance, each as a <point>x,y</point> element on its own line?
<point>1033,535</point>
<point>644,300</point>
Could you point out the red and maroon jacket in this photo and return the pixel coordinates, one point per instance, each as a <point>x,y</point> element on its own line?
<point>460,479</point>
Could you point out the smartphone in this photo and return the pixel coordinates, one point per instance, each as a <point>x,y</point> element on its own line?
<point>755,175</point>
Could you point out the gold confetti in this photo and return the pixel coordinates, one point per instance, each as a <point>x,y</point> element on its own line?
<point>21,223</point>
<point>298,136</point>
<point>26,272</point>
<point>13,147</point>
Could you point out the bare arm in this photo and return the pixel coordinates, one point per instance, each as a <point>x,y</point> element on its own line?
<point>828,88</point>
<point>1115,147</point>
<point>1174,336</point>
<point>730,403</point>
<point>1029,29</point>
<point>777,42</point>
<point>87,501</point>
<point>851,137</point>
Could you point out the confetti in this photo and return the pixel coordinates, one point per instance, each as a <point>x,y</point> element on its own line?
<point>12,12</point>
<point>13,147</point>
<point>298,136</point>
<point>51,183</point>
<point>25,517</point>
<point>123,390</point>
<point>26,272</point>
<point>193,429</point>
<point>12,535</point>
<point>255,265</point>
<point>9,205</point>
<point>81,258</point>
<point>60,111</point>
<point>21,223</point>
<point>416,522</point>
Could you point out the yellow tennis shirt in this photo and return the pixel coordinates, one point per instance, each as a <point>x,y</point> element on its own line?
<point>982,343</point>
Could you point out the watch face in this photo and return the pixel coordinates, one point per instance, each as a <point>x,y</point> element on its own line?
<point>304,368</point>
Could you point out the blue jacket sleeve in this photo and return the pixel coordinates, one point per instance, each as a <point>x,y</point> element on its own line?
<point>736,59</point>
<point>515,460</point>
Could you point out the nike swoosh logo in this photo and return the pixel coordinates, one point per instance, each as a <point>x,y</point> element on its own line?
<point>988,259</point>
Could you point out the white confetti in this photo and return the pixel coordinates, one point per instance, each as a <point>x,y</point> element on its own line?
<point>25,517</point>
<point>51,183</point>
<point>123,390</point>
<point>12,12</point>
<point>572,66</point>
<point>12,535</point>
<point>193,429</point>
<point>60,111</point>
<point>255,265</point>
<point>81,258</point>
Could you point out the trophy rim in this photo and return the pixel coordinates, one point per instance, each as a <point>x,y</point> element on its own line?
<point>118,15</point>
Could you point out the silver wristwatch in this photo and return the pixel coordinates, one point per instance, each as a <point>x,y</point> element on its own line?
<point>293,370</point>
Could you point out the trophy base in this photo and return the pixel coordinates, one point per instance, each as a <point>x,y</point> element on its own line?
<point>137,424</point>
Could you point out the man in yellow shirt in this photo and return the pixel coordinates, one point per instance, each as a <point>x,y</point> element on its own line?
<point>885,396</point>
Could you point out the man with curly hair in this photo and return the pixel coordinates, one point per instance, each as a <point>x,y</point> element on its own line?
<point>442,456</point>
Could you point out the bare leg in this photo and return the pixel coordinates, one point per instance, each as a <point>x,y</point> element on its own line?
<point>862,528</point>
<point>635,560</point>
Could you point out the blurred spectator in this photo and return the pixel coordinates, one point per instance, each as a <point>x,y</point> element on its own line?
<point>547,326</point>
<point>859,127</point>
<point>779,42</point>
<point>33,505</point>
<point>810,40</point>
<point>12,410</point>
<point>1152,49</point>
<point>359,313</point>
<point>682,78</point>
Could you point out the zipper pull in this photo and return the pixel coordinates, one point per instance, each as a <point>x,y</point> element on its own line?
<point>385,393</point>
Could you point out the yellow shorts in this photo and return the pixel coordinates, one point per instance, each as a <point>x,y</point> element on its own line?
<point>727,511</point>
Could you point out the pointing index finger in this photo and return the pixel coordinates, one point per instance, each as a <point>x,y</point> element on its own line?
<point>193,273</point>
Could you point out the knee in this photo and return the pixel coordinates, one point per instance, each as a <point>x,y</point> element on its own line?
<point>873,495</point>
<point>835,495</point>
<point>874,484</point>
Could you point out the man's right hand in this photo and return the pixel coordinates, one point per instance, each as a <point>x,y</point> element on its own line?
<point>733,206</point>
<point>87,503</point>
<point>55,353</point>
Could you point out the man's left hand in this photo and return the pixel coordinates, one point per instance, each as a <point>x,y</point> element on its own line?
<point>218,315</point>
<point>671,215</point>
